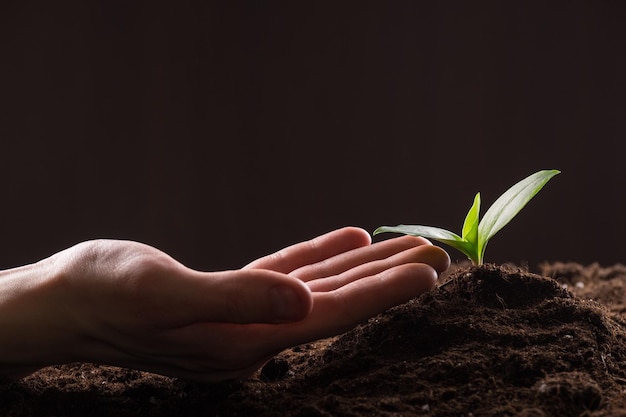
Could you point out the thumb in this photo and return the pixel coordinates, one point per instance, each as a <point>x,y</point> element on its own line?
<point>247,296</point>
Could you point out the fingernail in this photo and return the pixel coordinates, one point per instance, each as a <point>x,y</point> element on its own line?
<point>285,304</point>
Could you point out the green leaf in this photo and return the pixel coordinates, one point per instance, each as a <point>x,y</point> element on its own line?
<point>470,225</point>
<point>508,205</point>
<point>435,233</point>
<point>475,234</point>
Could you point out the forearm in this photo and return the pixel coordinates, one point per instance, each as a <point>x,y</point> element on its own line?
<point>33,333</point>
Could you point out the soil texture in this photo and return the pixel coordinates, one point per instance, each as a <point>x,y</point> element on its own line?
<point>491,341</point>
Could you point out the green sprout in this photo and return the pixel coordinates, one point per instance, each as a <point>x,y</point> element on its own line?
<point>476,234</point>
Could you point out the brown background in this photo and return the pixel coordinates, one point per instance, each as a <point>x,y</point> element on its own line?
<point>221,131</point>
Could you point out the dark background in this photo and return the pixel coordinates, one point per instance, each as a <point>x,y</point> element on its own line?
<point>222,131</point>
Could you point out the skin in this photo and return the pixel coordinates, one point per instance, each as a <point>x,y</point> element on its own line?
<point>127,304</point>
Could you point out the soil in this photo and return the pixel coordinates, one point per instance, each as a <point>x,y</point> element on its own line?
<point>492,341</point>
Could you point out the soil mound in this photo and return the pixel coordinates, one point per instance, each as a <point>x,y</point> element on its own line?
<point>492,341</point>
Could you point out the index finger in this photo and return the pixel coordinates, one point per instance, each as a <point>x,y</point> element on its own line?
<point>313,251</point>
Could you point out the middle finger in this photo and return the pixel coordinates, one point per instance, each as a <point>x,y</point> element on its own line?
<point>345,261</point>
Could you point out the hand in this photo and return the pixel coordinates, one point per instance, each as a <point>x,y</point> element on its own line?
<point>128,304</point>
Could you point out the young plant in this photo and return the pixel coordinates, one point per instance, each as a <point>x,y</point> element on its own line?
<point>475,234</point>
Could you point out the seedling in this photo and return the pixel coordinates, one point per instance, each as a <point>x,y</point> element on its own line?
<point>475,233</point>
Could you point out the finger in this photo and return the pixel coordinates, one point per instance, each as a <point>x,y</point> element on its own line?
<point>337,311</point>
<point>351,259</point>
<point>368,297</point>
<point>313,251</point>
<point>245,296</point>
<point>434,256</point>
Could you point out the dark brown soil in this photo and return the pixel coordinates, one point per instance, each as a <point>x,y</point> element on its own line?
<point>493,341</point>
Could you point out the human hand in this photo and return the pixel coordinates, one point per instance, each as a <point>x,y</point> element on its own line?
<point>128,304</point>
